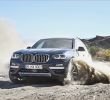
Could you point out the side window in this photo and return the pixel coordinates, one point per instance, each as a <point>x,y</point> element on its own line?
<point>81,48</point>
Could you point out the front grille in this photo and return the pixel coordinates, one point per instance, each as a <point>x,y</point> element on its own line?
<point>27,58</point>
<point>39,58</point>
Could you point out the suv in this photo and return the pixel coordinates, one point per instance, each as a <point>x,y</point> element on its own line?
<point>49,58</point>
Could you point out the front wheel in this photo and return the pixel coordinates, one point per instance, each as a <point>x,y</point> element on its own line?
<point>78,72</point>
<point>15,79</point>
<point>71,73</point>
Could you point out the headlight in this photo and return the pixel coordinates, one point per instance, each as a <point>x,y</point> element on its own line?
<point>59,56</point>
<point>15,56</point>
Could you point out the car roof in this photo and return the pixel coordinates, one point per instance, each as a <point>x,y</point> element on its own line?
<point>58,38</point>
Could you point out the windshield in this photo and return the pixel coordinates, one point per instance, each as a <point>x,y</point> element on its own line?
<point>54,43</point>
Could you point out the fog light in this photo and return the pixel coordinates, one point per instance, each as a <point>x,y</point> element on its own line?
<point>59,64</point>
<point>56,67</point>
<point>14,66</point>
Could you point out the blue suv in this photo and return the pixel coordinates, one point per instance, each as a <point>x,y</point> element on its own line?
<point>47,58</point>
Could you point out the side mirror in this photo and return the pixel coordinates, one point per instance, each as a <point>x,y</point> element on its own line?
<point>28,47</point>
<point>81,49</point>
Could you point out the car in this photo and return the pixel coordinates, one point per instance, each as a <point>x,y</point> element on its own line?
<point>48,58</point>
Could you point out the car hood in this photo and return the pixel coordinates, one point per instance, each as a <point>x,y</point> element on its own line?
<point>47,51</point>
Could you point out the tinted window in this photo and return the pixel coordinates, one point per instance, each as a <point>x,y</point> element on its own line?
<point>54,43</point>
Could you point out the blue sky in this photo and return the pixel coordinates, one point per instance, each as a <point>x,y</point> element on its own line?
<point>40,19</point>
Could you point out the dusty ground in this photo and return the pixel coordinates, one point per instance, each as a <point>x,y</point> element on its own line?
<point>50,91</point>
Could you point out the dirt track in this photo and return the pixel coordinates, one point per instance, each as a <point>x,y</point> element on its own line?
<point>50,91</point>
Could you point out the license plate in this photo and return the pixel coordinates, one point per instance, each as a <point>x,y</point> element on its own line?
<point>33,67</point>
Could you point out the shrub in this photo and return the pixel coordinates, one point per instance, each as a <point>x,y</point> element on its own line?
<point>93,50</point>
<point>107,55</point>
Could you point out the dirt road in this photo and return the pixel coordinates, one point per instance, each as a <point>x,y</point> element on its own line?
<point>50,91</point>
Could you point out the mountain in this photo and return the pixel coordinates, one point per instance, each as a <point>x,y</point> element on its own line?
<point>99,41</point>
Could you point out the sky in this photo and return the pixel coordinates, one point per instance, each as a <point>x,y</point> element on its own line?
<point>36,19</point>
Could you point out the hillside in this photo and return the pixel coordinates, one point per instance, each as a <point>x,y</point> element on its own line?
<point>99,41</point>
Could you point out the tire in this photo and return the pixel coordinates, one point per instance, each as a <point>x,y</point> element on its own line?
<point>75,75</point>
<point>15,79</point>
<point>71,73</point>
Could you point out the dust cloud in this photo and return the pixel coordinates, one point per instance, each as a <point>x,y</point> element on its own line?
<point>91,73</point>
<point>9,42</point>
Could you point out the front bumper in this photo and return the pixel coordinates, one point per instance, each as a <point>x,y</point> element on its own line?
<point>49,70</point>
